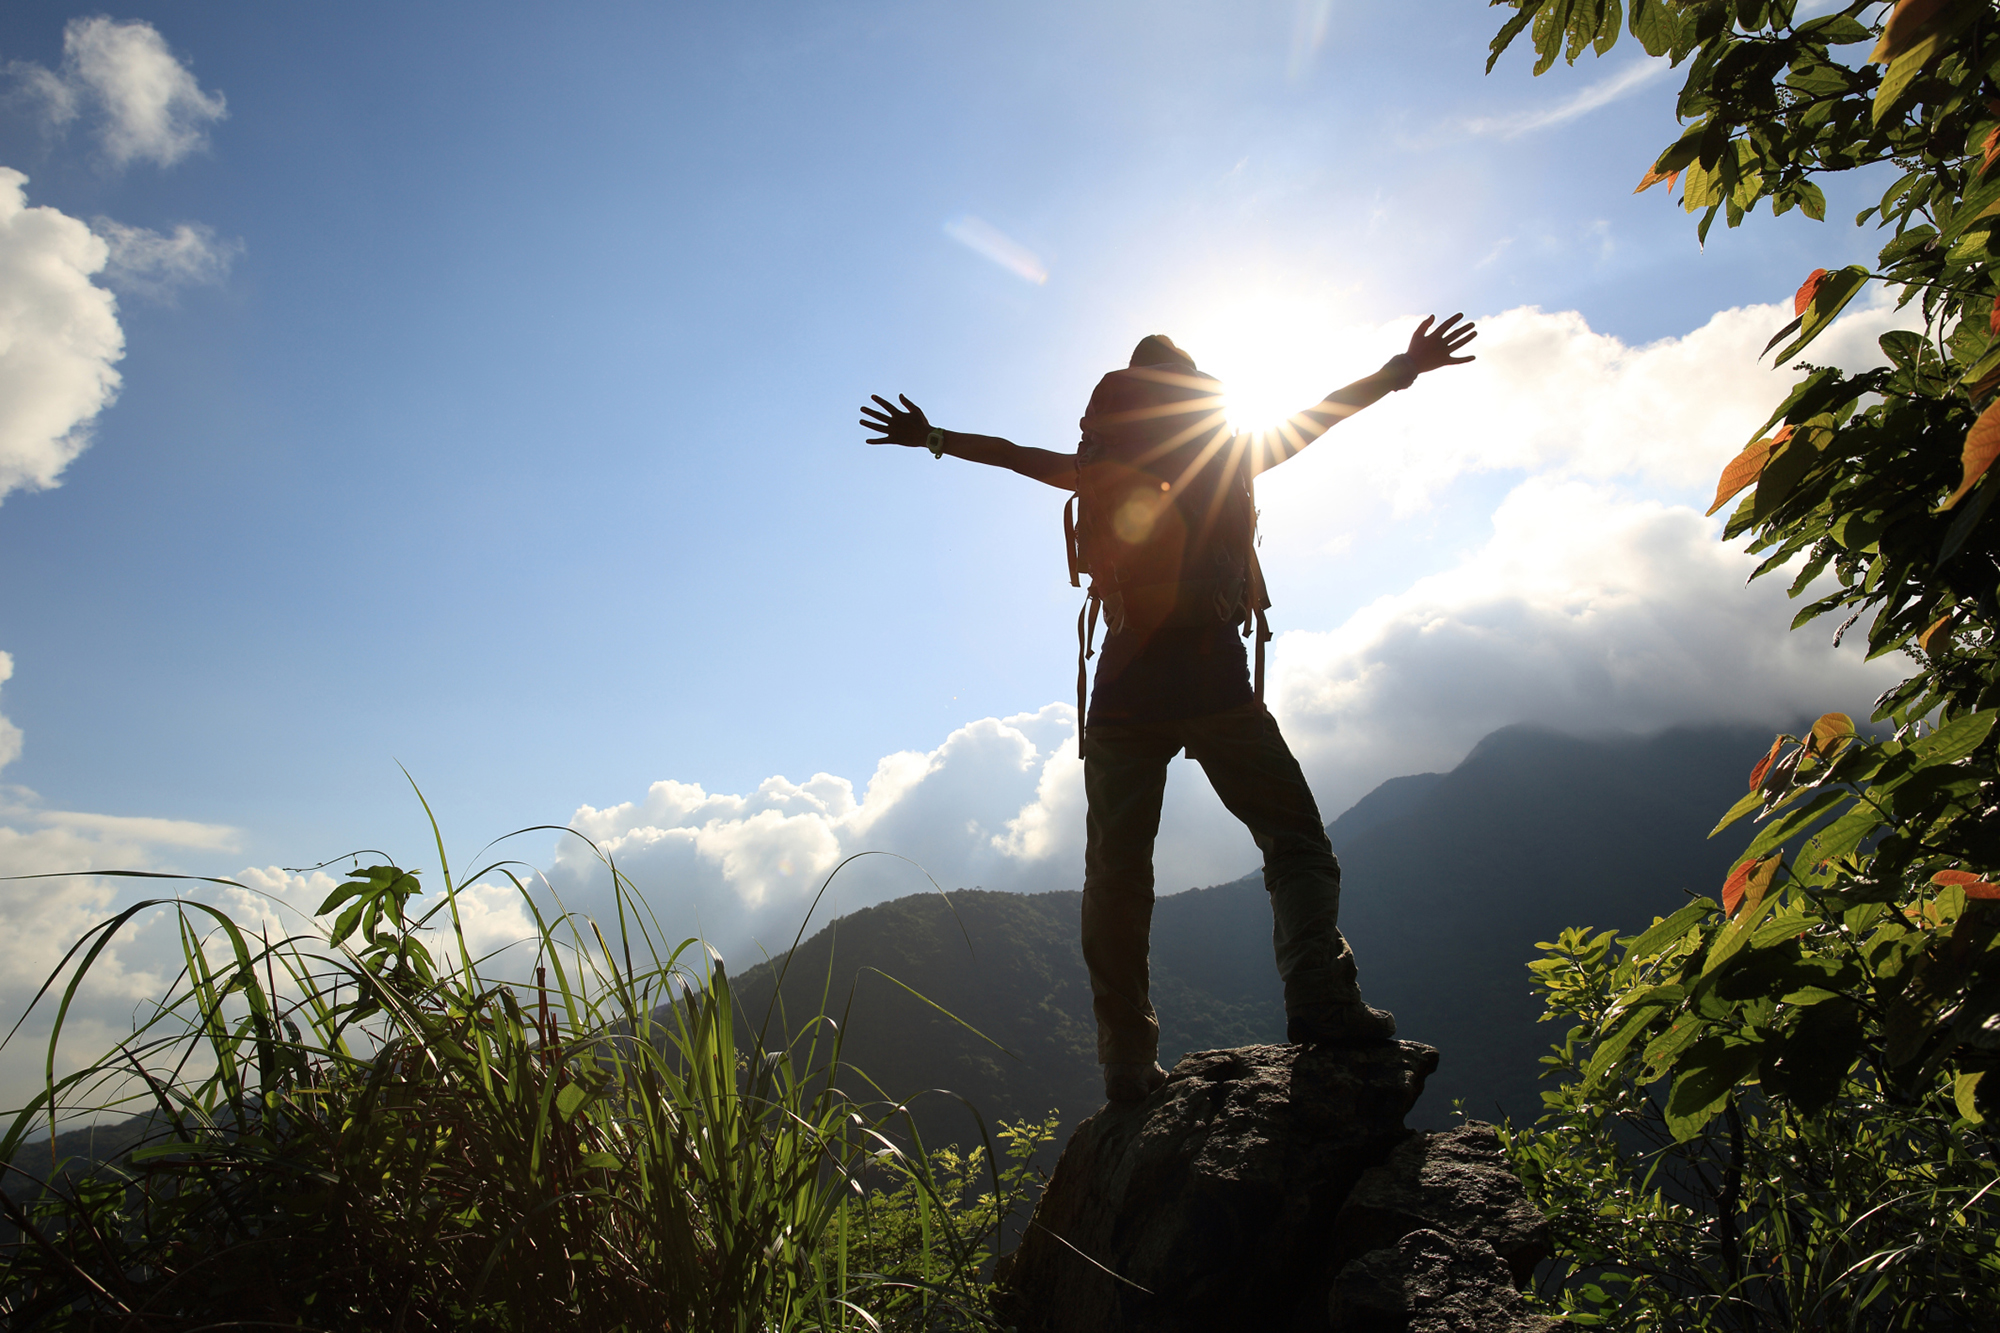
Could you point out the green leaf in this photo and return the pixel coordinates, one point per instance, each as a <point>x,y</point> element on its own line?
<point>1666,1048</point>
<point>1642,1017</point>
<point>1955,739</point>
<point>1510,30</point>
<point>1835,291</point>
<point>1655,23</point>
<point>572,1096</point>
<point>1752,801</point>
<point>1791,825</point>
<point>1842,836</point>
<point>1906,67</point>
<point>1965,1095</point>
<point>1710,1071</point>
<point>1660,934</point>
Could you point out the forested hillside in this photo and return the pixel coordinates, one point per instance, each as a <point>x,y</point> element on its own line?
<point>1450,880</point>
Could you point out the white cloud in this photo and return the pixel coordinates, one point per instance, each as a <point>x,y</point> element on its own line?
<point>1550,396</point>
<point>148,106</point>
<point>1580,103</point>
<point>156,264</point>
<point>1587,610</point>
<point>59,339</point>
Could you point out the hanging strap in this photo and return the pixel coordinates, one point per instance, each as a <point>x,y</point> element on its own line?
<point>1263,637</point>
<point>1086,634</point>
<point>1069,543</point>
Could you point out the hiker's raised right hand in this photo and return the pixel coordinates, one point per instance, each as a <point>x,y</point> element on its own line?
<point>906,425</point>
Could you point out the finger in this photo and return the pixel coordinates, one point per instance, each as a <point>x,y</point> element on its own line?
<point>1423,328</point>
<point>1459,360</point>
<point>912,406</point>
<point>887,405</point>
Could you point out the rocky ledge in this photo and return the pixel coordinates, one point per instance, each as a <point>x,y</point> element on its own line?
<point>1276,1187</point>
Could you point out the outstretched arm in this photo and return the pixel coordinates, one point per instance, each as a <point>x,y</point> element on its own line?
<point>908,427</point>
<point>1429,349</point>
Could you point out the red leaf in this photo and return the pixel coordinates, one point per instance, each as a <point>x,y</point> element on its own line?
<point>1746,467</point>
<point>1808,290</point>
<point>1732,888</point>
<point>1748,884</point>
<point>1993,320</point>
<point>1982,446</point>
<point>1764,764</point>
<point>1974,886</point>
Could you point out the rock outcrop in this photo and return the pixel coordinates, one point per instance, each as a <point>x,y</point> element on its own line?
<point>1275,1187</point>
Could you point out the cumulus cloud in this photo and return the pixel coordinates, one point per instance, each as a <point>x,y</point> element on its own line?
<point>142,102</point>
<point>1587,610</point>
<point>1551,396</point>
<point>157,264</point>
<point>59,338</point>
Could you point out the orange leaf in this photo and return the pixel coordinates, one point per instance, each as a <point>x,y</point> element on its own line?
<point>1748,884</point>
<point>1831,731</point>
<point>1655,176</point>
<point>1990,149</point>
<point>1807,290</point>
<point>1993,320</point>
<point>1982,446</point>
<point>1974,886</point>
<point>1764,764</point>
<point>1901,29</point>
<point>1924,639</point>
<point>1746,467</point>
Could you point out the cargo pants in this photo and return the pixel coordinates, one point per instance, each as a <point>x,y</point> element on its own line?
<point>1253,771</point>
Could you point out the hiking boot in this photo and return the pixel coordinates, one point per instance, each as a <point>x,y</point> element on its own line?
<point>1340,1025</point>
<point>1132,1080</point>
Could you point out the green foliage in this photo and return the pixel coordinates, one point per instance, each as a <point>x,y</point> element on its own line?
<point>350,1133</point>
<point>944,1216</point>
<point>1691,1202</point>
<point>1773,1111</point>
<point>1865,914</point>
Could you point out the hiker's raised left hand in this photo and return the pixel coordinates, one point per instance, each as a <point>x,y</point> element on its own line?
<point>1431,348</point>
<point>906,426</point>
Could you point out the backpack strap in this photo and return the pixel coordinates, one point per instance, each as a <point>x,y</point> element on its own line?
<point>1263,637</point>
<point>1086,633</point>
<point>1069,542</point>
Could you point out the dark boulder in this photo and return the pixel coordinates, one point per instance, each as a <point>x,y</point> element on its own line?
<point>1458,1182</point>
<point>1221,1202</point>
<point>1429,1282</point>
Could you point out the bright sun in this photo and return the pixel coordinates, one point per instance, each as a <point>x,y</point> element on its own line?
<point>1275,355</point>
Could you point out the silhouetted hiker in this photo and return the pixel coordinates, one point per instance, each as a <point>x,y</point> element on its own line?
<point>1166,530</point>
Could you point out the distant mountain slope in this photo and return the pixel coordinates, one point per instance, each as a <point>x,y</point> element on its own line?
<point>1534,831</point>
<point>1449,881</point>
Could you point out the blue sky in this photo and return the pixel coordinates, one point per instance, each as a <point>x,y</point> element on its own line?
<point>487,392</point>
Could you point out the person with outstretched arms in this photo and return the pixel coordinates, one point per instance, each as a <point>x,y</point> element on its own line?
<point>1163,523</point>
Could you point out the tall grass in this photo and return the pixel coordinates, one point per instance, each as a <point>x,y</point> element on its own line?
<point>363,1127</point>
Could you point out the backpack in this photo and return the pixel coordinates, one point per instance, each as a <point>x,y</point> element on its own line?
<point>1164,518</point>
